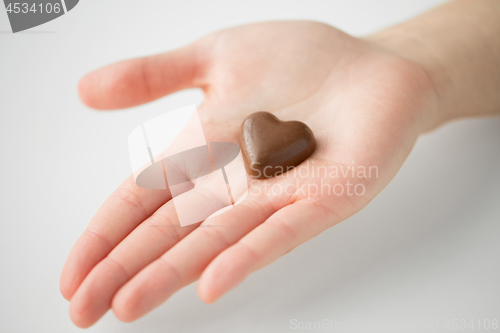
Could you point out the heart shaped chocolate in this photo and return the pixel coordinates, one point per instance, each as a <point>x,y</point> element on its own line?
<point>271,146</point>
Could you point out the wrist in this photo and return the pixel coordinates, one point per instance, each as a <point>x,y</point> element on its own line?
<point>458,46</point>
<point>411,47</point>
<point>399,44</point>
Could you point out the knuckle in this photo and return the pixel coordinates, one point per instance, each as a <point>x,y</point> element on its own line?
<point>129,197</point>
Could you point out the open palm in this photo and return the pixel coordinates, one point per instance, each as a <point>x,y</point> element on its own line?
<point>366,107</point>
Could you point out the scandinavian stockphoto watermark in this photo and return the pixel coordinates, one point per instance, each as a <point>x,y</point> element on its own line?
<point>323,179</point>
<point>170,152</point>
<point>26,14</point>
<point>422,325</point>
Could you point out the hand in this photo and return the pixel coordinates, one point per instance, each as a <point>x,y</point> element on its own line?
<point>365,105</point>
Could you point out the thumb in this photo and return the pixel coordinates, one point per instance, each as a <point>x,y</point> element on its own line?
<point>137,81</point>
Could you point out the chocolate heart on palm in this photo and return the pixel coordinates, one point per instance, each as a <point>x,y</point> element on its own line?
<point>271,146</point>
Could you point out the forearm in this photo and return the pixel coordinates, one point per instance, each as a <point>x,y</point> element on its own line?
<point>458,44</point>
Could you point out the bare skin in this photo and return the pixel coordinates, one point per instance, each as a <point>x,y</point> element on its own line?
<point>366,100</point>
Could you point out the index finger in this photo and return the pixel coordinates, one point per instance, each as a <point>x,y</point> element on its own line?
<point>126,207</point>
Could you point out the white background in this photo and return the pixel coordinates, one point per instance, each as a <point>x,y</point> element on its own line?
<point>424,250</point>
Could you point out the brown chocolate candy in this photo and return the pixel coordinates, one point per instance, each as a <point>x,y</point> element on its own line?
<point>271,146</point>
